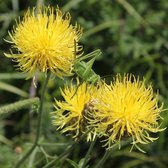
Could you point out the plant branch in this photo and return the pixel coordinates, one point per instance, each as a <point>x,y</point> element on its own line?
<point>88,153</point>
<point>104,158</point>
<point>38,123</point>
<point>13,107</point>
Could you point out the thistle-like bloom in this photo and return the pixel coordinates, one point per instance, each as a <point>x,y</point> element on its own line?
<point>127,109</point>
<point>45,42</point>
<point>71,114</point>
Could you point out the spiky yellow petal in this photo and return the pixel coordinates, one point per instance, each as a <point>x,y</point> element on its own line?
<point>127,108</point>
<point>45,42</point>
<point>70,115</point>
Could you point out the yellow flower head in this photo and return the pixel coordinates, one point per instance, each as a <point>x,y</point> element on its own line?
<point>45,42</point>
<point>71,114</point>
<point>127,108</point>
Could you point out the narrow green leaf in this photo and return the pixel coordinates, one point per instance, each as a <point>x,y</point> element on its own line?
<point>101,27</point>
<point>74,164</point>
<point>15,5</point>
<point>70,4</point>
<point>13,89</point>
<point>12,76</point>
<point>5,140</point>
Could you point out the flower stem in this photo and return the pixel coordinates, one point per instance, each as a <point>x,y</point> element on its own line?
<point>88,153</point>
<point>54,161</point>
<point>65,153</point>
<point>13,107</point>
<point>38,123</point>
<point>40,3</point>
<point>104,158</point>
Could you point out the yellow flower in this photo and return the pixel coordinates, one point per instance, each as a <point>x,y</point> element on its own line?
<point>127,109</point>
<point>72,113</point>
<point>45,42</point>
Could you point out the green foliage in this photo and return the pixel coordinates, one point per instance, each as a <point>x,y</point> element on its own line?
<point>12,89</point>
<point>133,37</point>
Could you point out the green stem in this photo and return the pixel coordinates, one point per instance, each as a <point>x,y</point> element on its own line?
<point>103,26</point>
<point>66,151</point>
<point>104,158</point>
<point>40,3</point>
<point>38,124</point>
<point>132,11</point>
<point>88,153</point>
<point>13,107</point>
<point>53,162</point>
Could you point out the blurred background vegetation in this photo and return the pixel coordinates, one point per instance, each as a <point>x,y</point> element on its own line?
<point>133,36</point>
